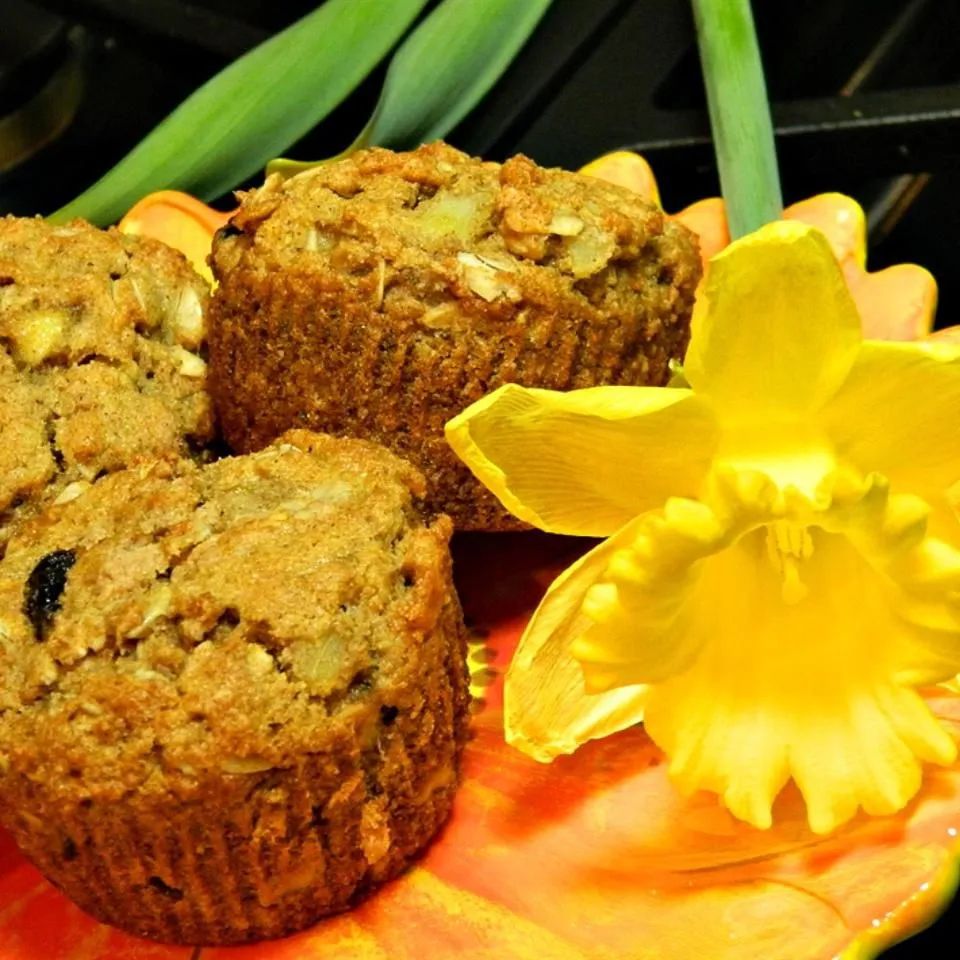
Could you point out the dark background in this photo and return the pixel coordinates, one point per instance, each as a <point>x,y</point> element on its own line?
<point>866,101</point>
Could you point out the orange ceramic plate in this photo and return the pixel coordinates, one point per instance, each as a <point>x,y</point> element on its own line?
<point>591,858</point>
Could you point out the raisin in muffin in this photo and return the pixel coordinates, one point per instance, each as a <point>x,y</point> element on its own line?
<point>102,358</point>
<point>232,697</point>
<point>379,295</point>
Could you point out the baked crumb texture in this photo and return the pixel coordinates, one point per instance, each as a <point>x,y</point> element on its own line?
<point>102,359</point>
<point>233,697</point>
<point>379,295</point>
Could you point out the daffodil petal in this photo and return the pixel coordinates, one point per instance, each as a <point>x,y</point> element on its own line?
<point>644,627</point>
<point>588,461</point>
<point>776,330</point>
<point>897,413</point>
<point>866,756</point>
<point>547,711</point>
<point>930,657</point>
<point>802,690</point>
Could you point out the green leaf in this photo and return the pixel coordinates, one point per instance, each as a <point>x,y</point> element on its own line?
<point>446,66</point>
<point>254,108</point>
<point>739,114</point>
<point>441,71</point>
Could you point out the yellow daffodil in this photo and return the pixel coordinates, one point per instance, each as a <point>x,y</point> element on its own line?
<point>782,565</point>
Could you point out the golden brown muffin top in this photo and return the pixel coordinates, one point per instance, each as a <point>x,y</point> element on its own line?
<point>102,363</point>
<point>174,619</point>
<point>490,220</point>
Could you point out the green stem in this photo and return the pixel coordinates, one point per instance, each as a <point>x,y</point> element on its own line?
<point>739,113</point>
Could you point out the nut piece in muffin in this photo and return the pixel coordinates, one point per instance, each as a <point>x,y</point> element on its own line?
<point>101,364</point>
<point>379,295</point>
<point>232,697</point>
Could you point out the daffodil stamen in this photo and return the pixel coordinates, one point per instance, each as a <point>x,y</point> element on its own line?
<point>788,544</point>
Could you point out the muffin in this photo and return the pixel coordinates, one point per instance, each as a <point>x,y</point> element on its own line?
<point>232,697</point>
<point>102,358</point>
<point>379,295</point>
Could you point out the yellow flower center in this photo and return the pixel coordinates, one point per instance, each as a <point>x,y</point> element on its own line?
<point>788,544</point>
<point>793,454</point>
<point>761,602</point>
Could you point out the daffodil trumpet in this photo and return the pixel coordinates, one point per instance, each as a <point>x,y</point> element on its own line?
<point>781,568</point>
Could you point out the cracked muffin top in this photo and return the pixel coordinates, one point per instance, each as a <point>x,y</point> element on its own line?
<point>102,363</point>
<point>380,214</point>
<point>175,619</point>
